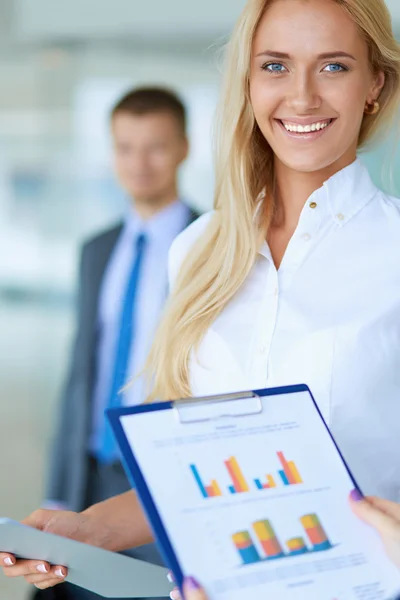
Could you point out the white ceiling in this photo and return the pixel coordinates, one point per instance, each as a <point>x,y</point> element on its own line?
<point>72,20</point>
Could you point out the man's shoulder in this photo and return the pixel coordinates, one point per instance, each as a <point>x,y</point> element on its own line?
<point>106,237</point>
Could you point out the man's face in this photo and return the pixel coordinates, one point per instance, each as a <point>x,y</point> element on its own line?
<point>148,149</point>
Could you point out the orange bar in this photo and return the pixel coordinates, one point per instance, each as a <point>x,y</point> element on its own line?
<point>235,480</point>
<point>316,535</point>
<point>272,547</point>
<point>237,475</point>
<point>271,481</point>
<point>210,491</point>
<point>286,468</point>
<point>294,471</point>
<point>244,545</point>
<point>216,488</point>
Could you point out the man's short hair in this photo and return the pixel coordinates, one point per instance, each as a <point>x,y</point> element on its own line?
<point>150,100</point>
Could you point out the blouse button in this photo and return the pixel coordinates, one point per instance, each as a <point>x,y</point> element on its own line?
<point>313,205</point>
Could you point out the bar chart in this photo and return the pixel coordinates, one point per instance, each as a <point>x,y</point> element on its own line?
<point>287,475</point>
<point>272,549</point>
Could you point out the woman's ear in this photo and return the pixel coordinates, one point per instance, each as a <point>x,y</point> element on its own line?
<point>377,87</point>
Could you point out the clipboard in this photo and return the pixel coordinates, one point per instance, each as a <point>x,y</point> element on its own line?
<point>215,411</point>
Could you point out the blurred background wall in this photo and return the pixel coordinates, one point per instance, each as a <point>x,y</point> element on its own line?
<point>62,65</point>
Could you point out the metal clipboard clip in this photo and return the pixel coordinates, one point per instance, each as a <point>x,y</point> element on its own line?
<point>213,408</point>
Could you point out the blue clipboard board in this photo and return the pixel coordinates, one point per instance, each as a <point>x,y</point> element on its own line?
<point>138,481</point>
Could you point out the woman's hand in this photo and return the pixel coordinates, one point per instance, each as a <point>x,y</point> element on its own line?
<point>40,573</point>
<point>384,516</point>
<point>191,589</point>
<point>115,524</point>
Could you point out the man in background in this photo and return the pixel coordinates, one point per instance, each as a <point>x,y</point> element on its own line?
<point>122,290</point>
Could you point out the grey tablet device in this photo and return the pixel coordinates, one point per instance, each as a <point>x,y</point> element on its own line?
<point>105,573</point>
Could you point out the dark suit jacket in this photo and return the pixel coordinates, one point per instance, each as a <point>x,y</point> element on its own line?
<point>69,465</point>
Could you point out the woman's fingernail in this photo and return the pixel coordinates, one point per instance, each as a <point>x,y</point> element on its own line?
<point>175,595</point>
<point>191,583</point>
<point>60,573</point>
<point>356,496</point>
<point>170,577</point>
<point>42,569</point>
<point>8,561</point>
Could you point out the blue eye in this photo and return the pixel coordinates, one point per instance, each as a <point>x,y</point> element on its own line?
<point>335,68</point>
<point>274,68</point>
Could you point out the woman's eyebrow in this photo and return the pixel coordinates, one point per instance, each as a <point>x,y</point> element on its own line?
<point>324,55</point>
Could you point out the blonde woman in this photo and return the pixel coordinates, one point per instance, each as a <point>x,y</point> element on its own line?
<point>295,276</point>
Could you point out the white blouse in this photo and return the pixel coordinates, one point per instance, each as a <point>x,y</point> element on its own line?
<point>329,317</point>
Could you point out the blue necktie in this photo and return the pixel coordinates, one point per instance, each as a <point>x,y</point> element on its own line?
<point>108,449</point>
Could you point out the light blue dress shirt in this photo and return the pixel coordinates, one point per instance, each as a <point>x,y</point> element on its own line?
<point>160,232</point>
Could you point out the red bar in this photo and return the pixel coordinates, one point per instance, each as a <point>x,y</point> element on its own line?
<point>244,545</point>
<point>271,547</point>
<point>316,535</point>
<point>291,479</point>
<point>266,486</point>
<point>210,491</point>
<point>236,483</point>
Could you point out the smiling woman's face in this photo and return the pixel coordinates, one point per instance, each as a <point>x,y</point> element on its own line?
<point>310,80</point>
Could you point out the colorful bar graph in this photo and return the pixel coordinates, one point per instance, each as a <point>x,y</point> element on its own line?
<point>268,540</point>
<point>289,475</point>
<point>246,548</point>
<point>207,491</point>
<point>239,482</point>
<point>315,532</point>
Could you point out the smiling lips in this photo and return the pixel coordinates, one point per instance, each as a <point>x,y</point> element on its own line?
<point>305,126</point>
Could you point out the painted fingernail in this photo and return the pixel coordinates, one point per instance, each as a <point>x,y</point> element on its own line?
<point>356,496</point>
<point>191,583</point>
<point>60,573</point>
<point>170,577</point>
<point>42,569</point>
<point>175,595</point>
<point>8,561</point>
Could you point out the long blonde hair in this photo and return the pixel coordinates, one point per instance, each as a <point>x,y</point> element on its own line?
<point>219,262</point>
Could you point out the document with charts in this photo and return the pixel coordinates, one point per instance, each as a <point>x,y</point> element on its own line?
<point>250,496</point>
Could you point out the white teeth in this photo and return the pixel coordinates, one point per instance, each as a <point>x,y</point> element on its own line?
<point>306,128</point>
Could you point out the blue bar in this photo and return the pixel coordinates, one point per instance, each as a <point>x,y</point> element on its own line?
<point>298,552</point>
<point>249,555</point>
<point>199,482</point>
<point>321,547</point>
<point>284,478</point>
<point>258,484</point>
<point>232,489</point>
